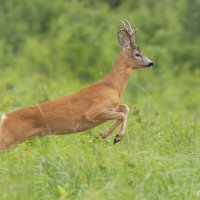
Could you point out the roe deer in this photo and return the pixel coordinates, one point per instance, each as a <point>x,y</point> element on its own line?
<point>82,110</point>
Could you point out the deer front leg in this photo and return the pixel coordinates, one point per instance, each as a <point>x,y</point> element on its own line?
<point>121,108</point>
<point>125,109</point>
<point>96,115</point>
<point>106,133</point>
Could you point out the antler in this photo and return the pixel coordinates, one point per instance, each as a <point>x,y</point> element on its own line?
<point>129,31</point>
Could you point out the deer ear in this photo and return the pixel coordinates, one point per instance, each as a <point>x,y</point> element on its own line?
<point>124,41</point>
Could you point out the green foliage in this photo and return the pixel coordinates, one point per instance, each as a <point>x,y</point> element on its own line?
<point>80,36</point>
<point>52,48</point>
<point>157,159</point>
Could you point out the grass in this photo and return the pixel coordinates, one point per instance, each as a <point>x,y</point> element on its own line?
<point>159,158</point>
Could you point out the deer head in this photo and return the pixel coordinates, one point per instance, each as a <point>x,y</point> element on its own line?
<point>136,58</point>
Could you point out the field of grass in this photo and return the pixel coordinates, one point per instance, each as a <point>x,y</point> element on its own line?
<point>159,158</point>
<point>50,49</point>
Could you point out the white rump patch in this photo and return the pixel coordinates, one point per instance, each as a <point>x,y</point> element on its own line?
<point>2,119</point>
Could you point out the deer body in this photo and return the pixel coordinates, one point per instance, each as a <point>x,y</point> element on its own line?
<point>78,112</point>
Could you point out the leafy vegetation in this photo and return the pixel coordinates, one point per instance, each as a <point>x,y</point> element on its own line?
<point>50,49</point>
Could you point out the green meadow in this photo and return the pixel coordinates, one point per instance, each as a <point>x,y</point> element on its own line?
<point>50,49</point>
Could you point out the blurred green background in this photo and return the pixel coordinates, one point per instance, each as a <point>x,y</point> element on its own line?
<point>76,41</point>
<point>52,48</point>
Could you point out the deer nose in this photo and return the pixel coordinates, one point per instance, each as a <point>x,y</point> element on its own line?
<point>150,64</point>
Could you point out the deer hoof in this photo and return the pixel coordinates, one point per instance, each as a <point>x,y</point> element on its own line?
<point>116,139</point>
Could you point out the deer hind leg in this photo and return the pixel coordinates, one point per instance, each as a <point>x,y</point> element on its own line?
<point>11,138</point>
<point>13,133</point>
<point>8,139</point>
<point>5,144</point>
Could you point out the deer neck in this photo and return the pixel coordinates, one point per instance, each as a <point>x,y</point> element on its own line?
<point>118,77</point>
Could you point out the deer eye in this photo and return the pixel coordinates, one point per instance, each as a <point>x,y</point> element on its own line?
<point>137,55</point>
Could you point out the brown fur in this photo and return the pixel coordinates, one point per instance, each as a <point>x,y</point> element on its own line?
<point>78,112</point>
